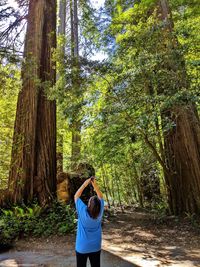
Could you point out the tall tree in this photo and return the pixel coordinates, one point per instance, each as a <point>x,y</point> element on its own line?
<point>148,50</point>
<point>81,31</point>
<point>33,161</point>
<point>62,18</point>
<point>60,74</point>
<point>182,140</point>
<point>75,68</point>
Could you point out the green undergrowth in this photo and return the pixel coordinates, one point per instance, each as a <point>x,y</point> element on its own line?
<point>23,221</point>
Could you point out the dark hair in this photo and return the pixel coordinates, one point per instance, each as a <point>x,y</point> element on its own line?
<point>94,207</point>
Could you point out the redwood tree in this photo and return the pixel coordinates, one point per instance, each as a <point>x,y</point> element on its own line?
<point>182,139</point>
<point>33,161</point>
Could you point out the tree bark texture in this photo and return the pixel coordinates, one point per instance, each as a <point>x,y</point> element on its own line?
<point>182,140</point>
<point>33,161</point>
<point>69,183</point>
<point>182,149</point>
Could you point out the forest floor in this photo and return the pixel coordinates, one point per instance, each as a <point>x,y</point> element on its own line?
<point>134,238</point>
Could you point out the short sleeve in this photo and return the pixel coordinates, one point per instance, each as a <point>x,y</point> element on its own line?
<point>102,207</point>
<point>79,205</point>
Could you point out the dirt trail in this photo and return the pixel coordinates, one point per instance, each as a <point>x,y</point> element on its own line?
<point>54,252</point>
<point>147,240</point>
<point>130,239</point>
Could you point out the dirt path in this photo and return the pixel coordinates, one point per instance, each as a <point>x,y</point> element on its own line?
<point>131,239</point>
<point>145,240</point>
<point>57,252</point>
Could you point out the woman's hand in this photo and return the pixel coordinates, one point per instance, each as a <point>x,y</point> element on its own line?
<point>96,188</point>
<point>93,181</point>
<point>87,182</point>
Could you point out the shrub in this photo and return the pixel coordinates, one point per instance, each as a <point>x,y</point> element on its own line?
<point>36,221</point>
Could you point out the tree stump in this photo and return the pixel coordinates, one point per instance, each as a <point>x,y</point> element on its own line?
<point>69,183</point>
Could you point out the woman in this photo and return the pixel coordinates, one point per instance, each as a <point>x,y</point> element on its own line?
<point>89,232</point>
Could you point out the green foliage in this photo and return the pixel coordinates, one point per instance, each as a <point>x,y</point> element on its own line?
<point>161,208</point>
<point>119,101</point>
<point>9,87</point>
<point>144,76</point>
<point>36,221</point>
<point>194,220</point>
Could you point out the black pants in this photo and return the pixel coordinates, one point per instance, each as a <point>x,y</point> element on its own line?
<point>94,257</point>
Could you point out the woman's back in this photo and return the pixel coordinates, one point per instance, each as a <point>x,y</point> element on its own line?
<point>88,238</point>
<point>89,232</point>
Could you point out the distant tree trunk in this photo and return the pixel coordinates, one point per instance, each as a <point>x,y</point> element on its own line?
<point>150,181</point>
<point>76,121</point>
<point>132,185</point>
<point>76,40</point>
<point>112,185</point>
<point>150,184</point>
<point>113,192</point>
<point>118,189</point>
<point>33,161</point>
<point>61,33</point>
<point>62,19</point>
<point>136,179</point>
<point>59,154</point>
<point>138,185</point>
<point>76,142</point>
<point>105,185</point>
<point>182,140</point>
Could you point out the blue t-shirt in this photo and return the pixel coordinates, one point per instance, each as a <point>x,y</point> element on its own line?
<point>89,232</point>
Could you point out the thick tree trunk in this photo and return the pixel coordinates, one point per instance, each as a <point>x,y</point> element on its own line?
<point>182,140</point>
<point>33,161</point>
<point>182,149</point>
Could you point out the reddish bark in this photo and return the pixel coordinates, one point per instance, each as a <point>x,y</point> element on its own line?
<point>33,161</point>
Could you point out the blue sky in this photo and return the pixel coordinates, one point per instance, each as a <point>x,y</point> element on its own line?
<point>97,4</point>
<point>12,2</point>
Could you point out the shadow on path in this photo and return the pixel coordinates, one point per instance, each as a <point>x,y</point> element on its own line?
<point>48,259</point>
<point>110,260</point>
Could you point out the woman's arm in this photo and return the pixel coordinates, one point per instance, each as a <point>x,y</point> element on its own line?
<point>80,190</point>
<point>96,188</point>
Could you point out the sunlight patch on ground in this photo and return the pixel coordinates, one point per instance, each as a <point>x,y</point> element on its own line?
<point>9,263</point>
<point>145,234</point>
<point>134,258</point>
<point>144,257</point>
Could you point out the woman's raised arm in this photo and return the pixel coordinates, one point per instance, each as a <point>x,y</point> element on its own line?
<point>96,188</point>
<point>80,190</point>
